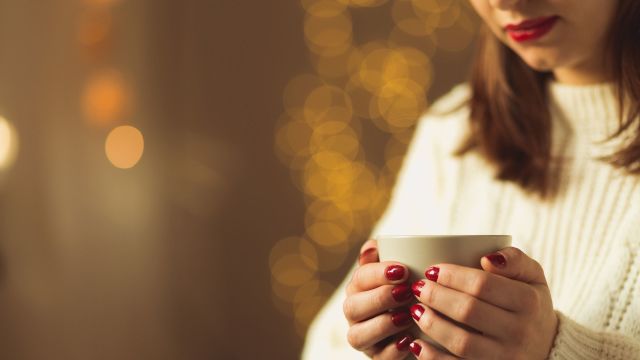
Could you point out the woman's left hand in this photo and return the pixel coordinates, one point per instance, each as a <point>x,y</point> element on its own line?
<point>508,304</point>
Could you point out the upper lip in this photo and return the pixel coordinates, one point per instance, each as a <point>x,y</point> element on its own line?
<point>528,24</point>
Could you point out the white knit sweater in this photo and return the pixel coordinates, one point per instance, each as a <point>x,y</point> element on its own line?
<point>587,238</point>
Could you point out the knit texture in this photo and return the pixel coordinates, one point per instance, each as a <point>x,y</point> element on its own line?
<point>587,238</point>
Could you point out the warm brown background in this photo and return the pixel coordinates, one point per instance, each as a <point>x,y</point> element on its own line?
<point>167,260</point>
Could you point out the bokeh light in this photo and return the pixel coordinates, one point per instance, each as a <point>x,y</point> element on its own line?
<point>106,97</point>
<point>101,3</point>
<point>124,146</point>
<point>382,85</point>
<point>363,3</point>
<point>94,28</point>
<point>8,144</point>
<point>328,33</point>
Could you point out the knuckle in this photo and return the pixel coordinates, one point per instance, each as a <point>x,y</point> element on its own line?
<point>352,285</point>
<point>357,276</point>
<point>432,295</point>
<point>379,300</point>
<point>461,345</point>
<point>531,300</point>
<point>467,309</point>
<point>428,354</point>
<point>479,285</point>
<point>348,308</point>
<point>515,253</point>
<point>538,267</point>
<point>426,323</point>
<point>355,339</point>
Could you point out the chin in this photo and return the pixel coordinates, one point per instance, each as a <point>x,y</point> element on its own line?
<point>538,62</point>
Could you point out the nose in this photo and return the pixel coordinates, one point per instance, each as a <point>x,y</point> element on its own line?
<point>505,4</point>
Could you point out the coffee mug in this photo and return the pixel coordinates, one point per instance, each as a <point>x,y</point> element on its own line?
<point>418,252</point>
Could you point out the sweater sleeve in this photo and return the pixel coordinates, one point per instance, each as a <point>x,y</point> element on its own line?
<point>577,342</point>
<point>327,336</point>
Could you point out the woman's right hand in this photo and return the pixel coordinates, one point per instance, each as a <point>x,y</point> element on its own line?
<point>375,306</point>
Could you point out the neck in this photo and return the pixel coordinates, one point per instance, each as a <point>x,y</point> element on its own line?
<point>587,73</point>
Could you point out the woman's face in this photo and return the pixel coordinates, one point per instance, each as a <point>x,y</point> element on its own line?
<point>566,37</point>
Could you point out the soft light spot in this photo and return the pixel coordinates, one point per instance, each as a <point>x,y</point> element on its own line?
<point>124,147</point>
<point>8,144</point>
<point>105,97</point>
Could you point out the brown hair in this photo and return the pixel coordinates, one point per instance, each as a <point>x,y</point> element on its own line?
<point>510,119</point>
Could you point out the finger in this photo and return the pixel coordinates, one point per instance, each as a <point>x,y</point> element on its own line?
<point>373,275</point>
<point>458,341</point>
<point>513,263</point>
<point>397,349</point>
<point>491,288</point>
<point>366,304</point>
<point>465,309</point>
<point>365,334</point>
<point>425,351</point>
<point>369,252</point>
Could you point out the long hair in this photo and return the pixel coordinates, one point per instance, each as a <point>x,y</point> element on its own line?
<point>510,118</point>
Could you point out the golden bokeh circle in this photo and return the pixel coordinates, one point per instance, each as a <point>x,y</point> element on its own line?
<point>292,270</point>
<point>327,103</point>
<point>124,146</point>
<point>296,92</point>
<point>294,245</point>
<point>323,8</point>
<point>328,34</point>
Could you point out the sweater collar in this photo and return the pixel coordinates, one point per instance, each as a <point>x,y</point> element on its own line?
<point>590,113</point>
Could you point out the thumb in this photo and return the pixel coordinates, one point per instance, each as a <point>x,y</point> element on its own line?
<point>512,263</point>
<point>368,252</point>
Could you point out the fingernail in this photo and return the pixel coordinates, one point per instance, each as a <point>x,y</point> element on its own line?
<point>415,348</point>
<point>417,287</point>
<point>401,293</point>
<point>394,272</point>
<point>400,318</point>
<point>404,343</point>
<point>416,311</point>
<point>497,260</point>
<point>367,252</point>
<point>432,273</point>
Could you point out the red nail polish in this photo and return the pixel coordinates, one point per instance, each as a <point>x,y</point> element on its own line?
<point>415,348</point>
<point>368,252</point>
<point>401,293</point>
<point>403,343</point>
<point>416,288</point>
<point>416,311</point>
<point>400,318</point>
<point>497,260</point>
<point>394,272</point>
<point>432,273</point>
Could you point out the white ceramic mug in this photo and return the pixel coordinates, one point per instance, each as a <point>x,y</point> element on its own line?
<point>418,252</point>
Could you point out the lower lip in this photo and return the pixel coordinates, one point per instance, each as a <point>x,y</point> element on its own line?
<point>533,33</point>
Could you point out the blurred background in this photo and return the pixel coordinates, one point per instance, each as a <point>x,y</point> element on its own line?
<point>192,179</point>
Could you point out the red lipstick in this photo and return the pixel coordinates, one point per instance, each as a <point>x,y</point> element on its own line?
<point>531,29</point>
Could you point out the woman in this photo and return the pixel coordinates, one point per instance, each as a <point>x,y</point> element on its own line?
<point>524,153</point>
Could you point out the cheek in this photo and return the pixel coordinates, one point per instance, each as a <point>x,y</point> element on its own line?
<point>483,9</point>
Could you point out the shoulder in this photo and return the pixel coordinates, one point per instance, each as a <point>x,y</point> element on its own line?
<point>456,100</point>
<point>446,122</point>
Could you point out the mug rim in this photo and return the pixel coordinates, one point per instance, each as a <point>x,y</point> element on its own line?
<point>438,236</point>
